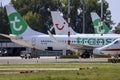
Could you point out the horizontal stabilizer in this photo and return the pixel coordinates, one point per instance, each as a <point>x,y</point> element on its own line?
<point>7,36</point>
<point>11,36</point>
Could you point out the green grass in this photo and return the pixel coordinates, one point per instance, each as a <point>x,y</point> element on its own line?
<point>101,71</point>
<point>60,65</point>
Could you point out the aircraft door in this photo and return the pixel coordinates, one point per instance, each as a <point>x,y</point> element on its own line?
<point>33,41</point>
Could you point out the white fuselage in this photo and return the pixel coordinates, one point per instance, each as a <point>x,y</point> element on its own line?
<point>110,49</point>
<point>42,42</point>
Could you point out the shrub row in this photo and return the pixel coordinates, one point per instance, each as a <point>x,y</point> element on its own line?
<point>70,56</point>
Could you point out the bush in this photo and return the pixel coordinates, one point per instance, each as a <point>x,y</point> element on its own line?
<point>70,56</point>
<point>116,60</point>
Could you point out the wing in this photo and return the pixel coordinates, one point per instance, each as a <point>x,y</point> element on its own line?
<point>72,47</point>
<point>80,46</point>
<point>62,43</point>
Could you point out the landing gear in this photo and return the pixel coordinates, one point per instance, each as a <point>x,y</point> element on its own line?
<point>33,53</point>
<point>25,54</point>
<point>86,54</point>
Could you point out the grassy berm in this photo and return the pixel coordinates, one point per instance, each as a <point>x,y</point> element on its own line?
<point>87,71</point>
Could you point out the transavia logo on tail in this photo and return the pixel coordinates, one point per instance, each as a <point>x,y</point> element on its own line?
<point>17,24</point>
<point>100,27</point>
<point>60,27</point>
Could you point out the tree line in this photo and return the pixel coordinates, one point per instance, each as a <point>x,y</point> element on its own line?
<point>37,14</point>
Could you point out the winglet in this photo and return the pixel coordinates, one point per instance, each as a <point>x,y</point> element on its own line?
<point>62,43</point>
<point>51,36</point>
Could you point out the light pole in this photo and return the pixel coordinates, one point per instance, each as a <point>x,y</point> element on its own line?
<point>69,26</point>
<point>0,5</point>
<point>101,10</point>
<point>101,16</point>
<point>83,2</point>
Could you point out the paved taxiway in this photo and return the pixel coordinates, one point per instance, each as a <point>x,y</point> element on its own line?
<point>18,60</point>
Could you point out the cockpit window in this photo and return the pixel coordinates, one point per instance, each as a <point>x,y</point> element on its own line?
<point>116,42</point>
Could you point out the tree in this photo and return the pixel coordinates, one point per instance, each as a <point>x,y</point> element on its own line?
<point>90,6</point>
<point>4,25</point>
<point>37,14</point>
<point>33,19</point>
<point>117,29</point>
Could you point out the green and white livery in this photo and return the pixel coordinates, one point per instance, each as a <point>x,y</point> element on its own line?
<point>17,24</point>
<point>23,35</point>
<point>99,26</point>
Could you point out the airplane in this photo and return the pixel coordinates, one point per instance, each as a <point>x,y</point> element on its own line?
<point>61,26</point>
<point>23,35</point>
<point>99,27</point>
<point>61,29</point>
<point>110,49</point>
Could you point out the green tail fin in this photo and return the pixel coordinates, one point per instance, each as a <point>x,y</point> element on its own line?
<point>17,24</point>
<point>99,27</point>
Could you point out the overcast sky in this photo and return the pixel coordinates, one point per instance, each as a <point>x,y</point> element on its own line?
<point>4,2</point>
<point>114,6</point>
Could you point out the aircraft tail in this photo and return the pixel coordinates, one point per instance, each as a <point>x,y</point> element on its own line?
<point>99,27</point>
<point>17,24</point>
<point>60,25</point>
